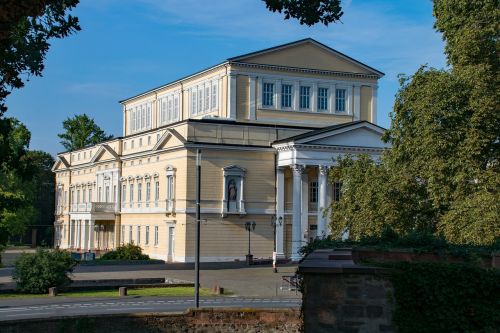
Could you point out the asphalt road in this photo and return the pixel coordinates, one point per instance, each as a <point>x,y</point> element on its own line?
<point>75,307</point>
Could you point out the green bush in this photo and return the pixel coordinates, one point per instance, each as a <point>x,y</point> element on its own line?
<point>126,252</point>
<point>36,272</point>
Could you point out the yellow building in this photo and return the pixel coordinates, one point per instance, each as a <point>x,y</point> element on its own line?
<point>269,125</point>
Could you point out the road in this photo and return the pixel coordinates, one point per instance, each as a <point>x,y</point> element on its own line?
<point>75,307</point>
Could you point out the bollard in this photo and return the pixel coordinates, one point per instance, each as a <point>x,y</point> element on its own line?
<point>123,291</point>
<point>53,292</point>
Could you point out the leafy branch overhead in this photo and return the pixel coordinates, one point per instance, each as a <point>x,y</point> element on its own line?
<point>81,131</point>
<point>308,12</point>
<point>25,30</point>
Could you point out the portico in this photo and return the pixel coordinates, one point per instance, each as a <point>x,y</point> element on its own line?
<point>307,159</point>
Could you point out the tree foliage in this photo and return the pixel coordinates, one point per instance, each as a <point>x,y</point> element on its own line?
<point>442,172</point>
<point>308,12</point>
<point>25,30</point>
<point>81,131</point>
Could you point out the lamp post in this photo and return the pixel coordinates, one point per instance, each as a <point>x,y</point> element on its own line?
<point>275,221</point>
<point>249,226</point>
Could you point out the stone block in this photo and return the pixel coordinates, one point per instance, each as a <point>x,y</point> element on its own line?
<point>122,291</point>
<point>53,292</point>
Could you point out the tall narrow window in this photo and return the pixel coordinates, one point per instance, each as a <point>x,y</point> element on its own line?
<point>176,109</point>
<point>305,97</point>
<point>313,192</point>
<point>214,95</point>
<point>138,235</point>
<point>337,191</point>
<point>107,196</point>
<point>139,194</point>
<point>340,95</point>
<point>123,234</point>
<point>124,193</point>
<point>157,190</point>
<point>148,193</point>
<point>206,105</point>
<point>131,194</point>
<point>193,102</point>
<point>323,99</point>
<point>146,240</point>
<point>268,94</point>
<point>148,116</point>
<point>78,196</point>
<point>156,235</point>
<point>84,192</point>
<point>130,234</point>
<point>286,95</point>
<point>200,100</point>
<point>170,110</point>
<point>90,195</point>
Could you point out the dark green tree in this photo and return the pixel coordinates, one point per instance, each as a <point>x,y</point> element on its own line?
<point>308,12</point>
<point>81,131</point>
<point>25,30</point>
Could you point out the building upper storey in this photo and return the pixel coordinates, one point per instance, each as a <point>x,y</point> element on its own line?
<point>301,83</point>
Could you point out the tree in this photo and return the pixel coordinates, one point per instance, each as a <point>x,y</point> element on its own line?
<point>81,131</point>
<point>308,12</point>
<point>25,30</point>
<point>442,172</point>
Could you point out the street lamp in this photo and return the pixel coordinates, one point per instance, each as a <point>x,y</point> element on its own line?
<point>249,226</point>
<point>275,221</point>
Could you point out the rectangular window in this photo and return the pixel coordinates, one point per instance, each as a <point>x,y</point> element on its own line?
<point>170,110</point>
<point>90,195</point>
<point>107,194</point>
<point>340,95</point>
<point>176,108</point>
<point>140,142</point>
<point>337,191</point>
<point>268,94</point>
<point>157,190</point>
<point>78,196</point>
<point>138,234</point>
<point>286,95</point>
<point>305,96</point>
<point>139,193</point>
<point>313,192</point>
<point>123,234</point>
<point>149,140</point>
<point>146,240</point>
<point>200,101</point>
<point>156,235</point>
<point>131,193</point>
<point>148,191</point>
<point>132,144</point>
<point>124,146</point>
<point>323,99</point>
<point>148,117</point>
<point>214,95</point>
<point>124,193</point>
<point>130,234</point>
<point>84,196</point>
<point>193,102</point>
<point>207,98</point>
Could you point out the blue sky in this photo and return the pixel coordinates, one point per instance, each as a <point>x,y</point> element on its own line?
<point>126,47</point>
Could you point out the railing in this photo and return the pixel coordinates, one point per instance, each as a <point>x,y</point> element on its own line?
<point>90,207</point>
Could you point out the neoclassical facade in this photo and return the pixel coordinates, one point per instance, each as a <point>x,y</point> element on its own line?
<point>269,125</point>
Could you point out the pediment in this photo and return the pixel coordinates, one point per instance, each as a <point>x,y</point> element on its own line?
<point>60,164</point>
<point>359,135</point>
<point>104,153</point>
<point>171,138</point>
<point>309,54</point>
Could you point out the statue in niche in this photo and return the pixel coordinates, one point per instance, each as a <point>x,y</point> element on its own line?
<point>232,190</point>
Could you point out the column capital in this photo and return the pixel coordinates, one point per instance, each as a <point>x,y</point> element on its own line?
<point>297,169</point>
<point>323,169</point>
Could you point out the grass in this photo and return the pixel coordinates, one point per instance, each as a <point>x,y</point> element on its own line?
<point>171,291</point>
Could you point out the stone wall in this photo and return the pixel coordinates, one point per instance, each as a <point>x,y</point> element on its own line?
<point>341,296</point>
<point>192,321</point>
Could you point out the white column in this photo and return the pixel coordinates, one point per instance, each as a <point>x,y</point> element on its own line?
<point>69,234</point>
<point>78,233</point>
<point>357,102</point>
<point>231,96</point>
<point>84,235</point>
<point>280,212</point>
<point>91,235</point>
<point>296,215</point>
<point>322,200</point>
<point>251,97</point>
<point>374,104</point>
<point>304,225</point>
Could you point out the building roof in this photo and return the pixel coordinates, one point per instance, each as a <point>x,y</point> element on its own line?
<point>241,58</point>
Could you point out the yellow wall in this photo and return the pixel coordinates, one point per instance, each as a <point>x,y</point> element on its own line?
<point>366,100</point>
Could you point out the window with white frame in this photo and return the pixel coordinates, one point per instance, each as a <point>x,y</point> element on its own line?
<point>139,194</point>
<point>193,102</point>
<point>156,235</point>
<point>131,192</point>
<point>84,196</point>
<point>305,97</point>
<point>123,234</point>
<point>130,240</point>
<point>267,94</point>
<point>148,193</point>
<point>199,106</point>
<point>107,194</point>
<point>157,191</point>
<point>206,95</point>
<point>322,99</point>
<point>214,95</point>
<point>286,95</point>
<point>146,239</point>
<point>140,117</point>
<point>138,235</point>
<point>124,193</point>
<point>313,192</point>
<point>340,100</point>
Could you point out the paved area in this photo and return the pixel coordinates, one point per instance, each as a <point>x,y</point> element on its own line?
<point>72,307</point>
<point>242,280</point>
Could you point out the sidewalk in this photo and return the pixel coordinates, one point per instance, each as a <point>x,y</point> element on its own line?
<point>258,281</point>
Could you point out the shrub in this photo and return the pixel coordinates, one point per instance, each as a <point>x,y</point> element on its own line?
<point>36,272</point>
<point>126,252</point>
